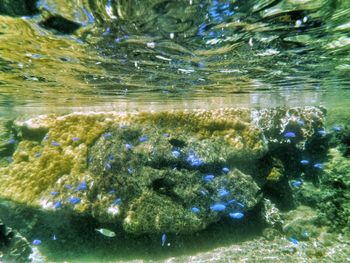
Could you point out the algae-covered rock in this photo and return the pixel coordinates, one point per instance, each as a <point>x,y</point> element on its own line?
<point>301,223</point>
<point>290,125</point>
<point>150,172</point>
<point>158,165</point>
<point>333,203</point>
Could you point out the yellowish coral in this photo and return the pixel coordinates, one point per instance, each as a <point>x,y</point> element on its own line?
<point>36,166</point>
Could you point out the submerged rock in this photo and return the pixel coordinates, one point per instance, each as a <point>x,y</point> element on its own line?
<point>290,125</point>
<point>13,247</point>
<point>18,8</point>
<point>145,171</point>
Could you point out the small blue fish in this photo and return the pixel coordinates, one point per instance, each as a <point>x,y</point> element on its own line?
<point>236,215</point>
<point>130,170</point>
<point>296,183</point>
<point>163,239</point>
<point>193,160</point>
<point>204,192</point>
<point>318,165</point>
<point>75,139</point>
<point>201,64</point>
<point>12,141</point>
<point>108,166</point>
<point>223,192</point>
<point>54,143</point>
<point>110,157</point>
<point>304,162</point>
<point>57,204</point>
<point>117,201</point>
<point>128,146</point>
<point>111,192</point>
<point>293,240</point>
<point>240,205</point>
<point>289,135</point>
<point>201,29</point>
<point>107,135</point>
<point>218,207</point>
<point>67,186</point>
<point>195,210</point>
<point>82,186</point>
<point>225,170</point>
<point>322,132</point>
<point>301,122</point>
<point>175,154</point>
<point>166,135</point>
<point>337,128</point>
<point>230,202</point>
<point>36,242</point>
<point>143,139</point>
<point>208,178</point>
<point>74,200</point>
<point>54,193</point>
<point>37,154</point>
<point>54,237</point>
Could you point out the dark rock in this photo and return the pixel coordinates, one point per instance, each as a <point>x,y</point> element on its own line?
<point>13,247</point>
<point>18,7</point>
<point>60,24</point>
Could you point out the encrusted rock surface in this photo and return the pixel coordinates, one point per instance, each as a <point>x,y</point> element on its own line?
<point>151,172</point>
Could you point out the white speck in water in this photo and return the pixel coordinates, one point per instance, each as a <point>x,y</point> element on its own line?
<point>163,58</point>
<point>113,210</point>
<point>298,23</point>
<point>186,71</point>
<point>305,19</point>
<point>98,63</point>
<point>109,10</point>
<point>268,52</point>
<point>172,35</point>
<point>250,42</point>
<point>151,44</point>
<point>212,41</point>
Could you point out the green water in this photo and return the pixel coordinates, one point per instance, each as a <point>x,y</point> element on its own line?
<point>159,55</point>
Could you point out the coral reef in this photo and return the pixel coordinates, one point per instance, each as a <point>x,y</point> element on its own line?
<point>151,172</point>
<point>296,125</point>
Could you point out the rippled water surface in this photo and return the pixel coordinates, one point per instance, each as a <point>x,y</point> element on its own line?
<point>155,55</point>
<point>188,53</point>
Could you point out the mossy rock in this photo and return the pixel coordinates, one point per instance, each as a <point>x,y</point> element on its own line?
<point>141,170</point>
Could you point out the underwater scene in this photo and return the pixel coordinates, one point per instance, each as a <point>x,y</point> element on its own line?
<point>174,131</point>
